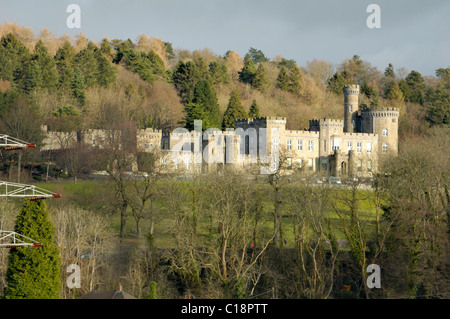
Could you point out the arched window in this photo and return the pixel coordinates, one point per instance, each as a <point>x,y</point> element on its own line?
<point>385,132</point>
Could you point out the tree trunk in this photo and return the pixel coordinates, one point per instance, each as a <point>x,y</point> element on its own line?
<point>123,219</point>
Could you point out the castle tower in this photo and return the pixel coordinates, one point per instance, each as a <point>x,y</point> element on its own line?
<point>351,93</point>
<point>384,123</point>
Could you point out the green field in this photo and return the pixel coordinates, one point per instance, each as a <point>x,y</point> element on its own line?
<point>84,192</point>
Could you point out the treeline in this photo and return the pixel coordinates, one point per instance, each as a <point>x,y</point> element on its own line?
<point>77,79</point>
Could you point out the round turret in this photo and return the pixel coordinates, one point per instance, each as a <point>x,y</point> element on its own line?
<point>351,95</point>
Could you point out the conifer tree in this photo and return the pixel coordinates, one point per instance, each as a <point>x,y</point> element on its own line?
<point>248,72</point>
<point>185,78</point>
<point>234,111</point>
<point>78,85</point>
<point>295,77</point>
<point>205,96</point>
<point>86,61</point>
<point>106,48</point>
<point>393,92</point>
<point>46,65</point>
<point>34,272</point>
<point>260,81</point>
<point>218,73</point>
<point>106,71</point>
<point>283,80</point>
<point>254,111</point>
<point>64,59</point>
<point>13,58</point>
<point>195,112</point>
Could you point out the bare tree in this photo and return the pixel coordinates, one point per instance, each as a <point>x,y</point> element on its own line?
<point>84,238</point>
<point>315,241</point>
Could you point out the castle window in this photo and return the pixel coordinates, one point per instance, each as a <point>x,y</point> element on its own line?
<point>300,145</point>
<point>369,147</point>
<point>359,164</point>
<point>350,108</point>
<point>310,164</point>
<point>358,147</point>
<point>187,163</point>
<point>385,148</point>
<point>335,144</point>
<point>369,166</point>
<point>349,146</point>
<point>299,164</point>
<point>289,163</point>
<point>310,145</point>
<point>385,132</point>
<point>289,145</point>
<point>325,145</point>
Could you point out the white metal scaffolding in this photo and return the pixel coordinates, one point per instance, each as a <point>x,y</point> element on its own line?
<point>10,239</point>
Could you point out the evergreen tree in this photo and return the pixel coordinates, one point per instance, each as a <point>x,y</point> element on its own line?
<point>78,86</point>
<point>169,50</point>
<point>149,66</point>
<point>254,111</point>
<point>283,80</point>
<point>438,105</point>
<point>295,78</point>
<point>403,86</point>
<point>32,78</point>
<point>46,65</point>
<point>64,59</point>
<point>389,72</point>
<point>444,76</point>
<point>288,64</point>
<point>106,48</point>
<point>257,56</point>
<point>260,81</point>
<point>107,72</point>
<point>336,83</point>
<point>393,92</point>
<point>416,85</point>
<point>195,112</point>
<point>234,111</point>
<point>34,272</point>
<point>218,73</point>
<point>86,61</point>
<point>247,74</point>
<point>205,97</point>
<point>202,69</point>
<point>185,77</point>
<point>14,57</point>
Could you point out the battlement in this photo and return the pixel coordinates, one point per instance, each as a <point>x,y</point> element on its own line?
<point>383,112</point>
<point>149,130</point>
<point>301,133</point>
<point>361,134</point>
<point>337,121</point>
<point>352,89</point>
<point>260,119</point>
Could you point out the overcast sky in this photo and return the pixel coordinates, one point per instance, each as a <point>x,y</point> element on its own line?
<point>414,34</point>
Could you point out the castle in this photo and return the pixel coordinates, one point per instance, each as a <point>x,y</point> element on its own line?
<point>350,147</point>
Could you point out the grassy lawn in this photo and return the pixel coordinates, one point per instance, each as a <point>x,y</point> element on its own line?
<point>164,228</point>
